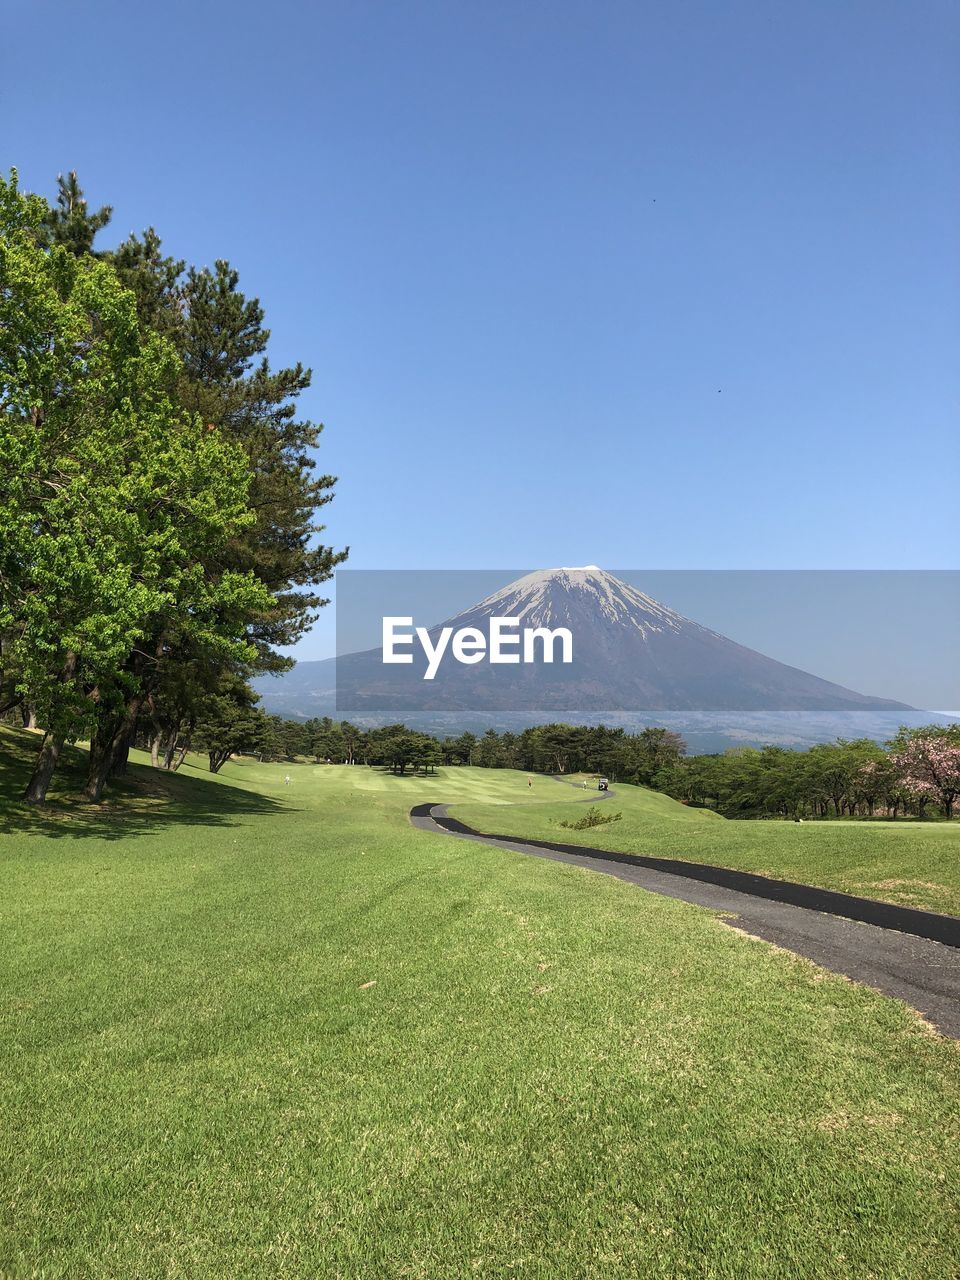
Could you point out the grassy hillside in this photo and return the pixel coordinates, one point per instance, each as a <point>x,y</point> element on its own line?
<point>913,863</point>
<point>261,1031</point>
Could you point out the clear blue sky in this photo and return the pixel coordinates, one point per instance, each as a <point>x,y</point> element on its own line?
<point>670,285</point>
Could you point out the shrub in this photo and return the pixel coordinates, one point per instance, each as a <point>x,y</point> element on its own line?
<point>594,817</point>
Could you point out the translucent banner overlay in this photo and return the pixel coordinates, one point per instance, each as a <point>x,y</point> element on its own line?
<point>750,651</point>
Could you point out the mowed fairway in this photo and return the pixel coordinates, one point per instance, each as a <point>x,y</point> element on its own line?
<point>913,863</point>
<point>252,1030</point>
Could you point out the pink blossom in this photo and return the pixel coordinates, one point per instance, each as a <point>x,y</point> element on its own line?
<point>929,765</point>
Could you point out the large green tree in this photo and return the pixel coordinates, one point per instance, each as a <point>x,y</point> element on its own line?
<point>111,496</point>
<point>224,380</point>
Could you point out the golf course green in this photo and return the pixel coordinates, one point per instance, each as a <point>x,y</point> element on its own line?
<point>253,1029</point>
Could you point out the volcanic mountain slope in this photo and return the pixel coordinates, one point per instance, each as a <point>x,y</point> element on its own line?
<point>631,654</point>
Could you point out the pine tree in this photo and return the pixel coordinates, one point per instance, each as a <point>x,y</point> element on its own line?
<point>71,223</point>
<point>228,721</point>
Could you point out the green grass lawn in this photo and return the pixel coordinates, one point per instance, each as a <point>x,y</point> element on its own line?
<point>914,863</point>
<point>261,1031</point>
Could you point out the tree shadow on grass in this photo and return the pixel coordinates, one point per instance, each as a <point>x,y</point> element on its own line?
<point>136,805</point>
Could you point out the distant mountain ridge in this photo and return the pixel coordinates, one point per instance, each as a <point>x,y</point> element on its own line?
<point>635,660</point>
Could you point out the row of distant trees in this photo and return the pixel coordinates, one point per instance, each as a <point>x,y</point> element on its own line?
<point>157,490</point>
<point>226,726</point>
<point>917,773</point>
<point>549,748</point>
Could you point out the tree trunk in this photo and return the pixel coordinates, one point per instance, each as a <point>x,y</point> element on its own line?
<point>36,791</point>
<point>156,731</point>
<point>106,747</point>
<point>121,755</point>
<point>29,716</point>
<point>101,745</point>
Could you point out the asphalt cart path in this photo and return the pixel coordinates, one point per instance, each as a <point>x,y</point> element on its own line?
<point>902,952</point>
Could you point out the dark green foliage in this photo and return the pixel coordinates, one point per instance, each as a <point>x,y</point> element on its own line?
<point>459,750</point>
<point>71,223</point>
<point>227,722</point>
<point>154,280</point>
<point>656,749</point>
<point>293,737</point>
<point>400,748</point>
<point>327,740</point>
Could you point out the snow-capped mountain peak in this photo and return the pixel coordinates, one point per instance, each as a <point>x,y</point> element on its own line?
<point>555,597</point>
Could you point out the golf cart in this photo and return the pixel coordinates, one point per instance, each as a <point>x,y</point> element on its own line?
<point>602,785</point>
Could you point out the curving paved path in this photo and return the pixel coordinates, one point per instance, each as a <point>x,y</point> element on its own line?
<point>911,955</point>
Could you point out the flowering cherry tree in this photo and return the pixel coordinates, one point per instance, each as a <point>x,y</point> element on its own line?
<point>877,782</point>
<point>928,765</point>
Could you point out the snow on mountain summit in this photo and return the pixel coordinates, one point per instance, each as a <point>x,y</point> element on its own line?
<point>561,596</point>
